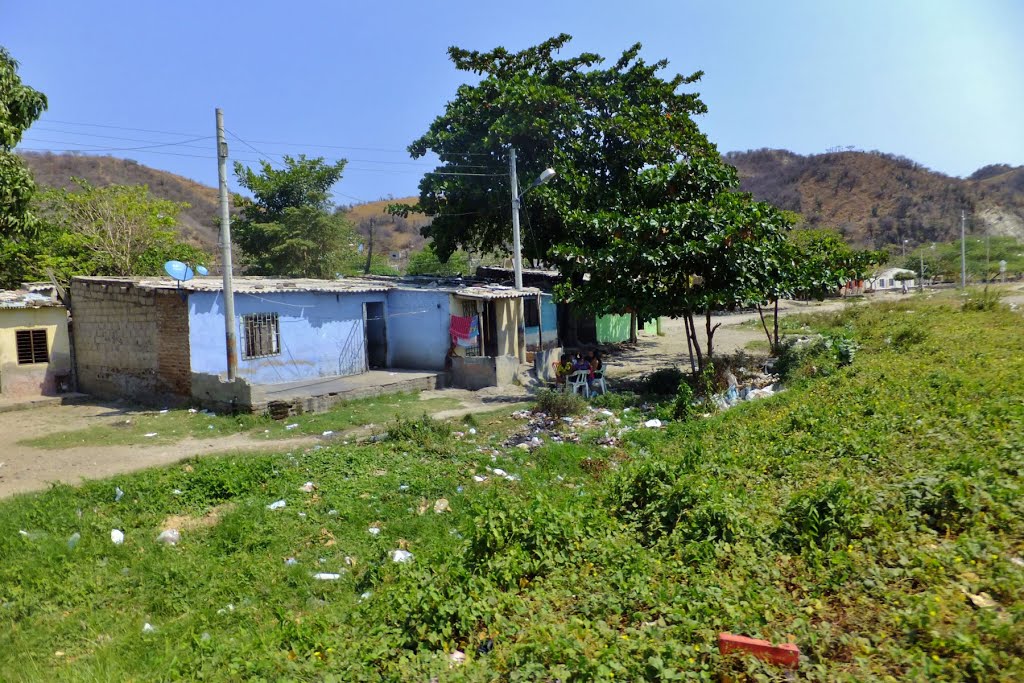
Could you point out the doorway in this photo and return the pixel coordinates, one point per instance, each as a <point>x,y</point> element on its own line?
<point>375,325</point>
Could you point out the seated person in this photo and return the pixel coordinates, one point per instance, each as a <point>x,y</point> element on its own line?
<point>563,368</point>
<point>596,366</point>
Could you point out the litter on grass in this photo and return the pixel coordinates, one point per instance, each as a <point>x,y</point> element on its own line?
<point>73,541</point>
<point>290,562</point>
<point>150,434</point>
<point>118,494</point>
<point>401,556</point>
<point>116,536</point>
<point>441,506</point>
<point>308,487</point>
<point>169,537</point>
<point>326,576</point>
<point>291,426</point>
<point>374,530</point>
<point>148,628</point>
<point>276,505</point>
<point>654,423</point>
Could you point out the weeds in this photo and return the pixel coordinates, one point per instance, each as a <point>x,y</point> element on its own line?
<point>559,404</point>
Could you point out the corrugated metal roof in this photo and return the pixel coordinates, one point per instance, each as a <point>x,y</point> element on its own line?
<point>348,285</point>
<point>17,298</point>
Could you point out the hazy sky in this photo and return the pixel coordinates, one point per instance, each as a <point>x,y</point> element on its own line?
<point>939,81</point>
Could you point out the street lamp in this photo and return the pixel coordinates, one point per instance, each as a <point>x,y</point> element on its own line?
<point>905,249</point>
<point>545,176</point>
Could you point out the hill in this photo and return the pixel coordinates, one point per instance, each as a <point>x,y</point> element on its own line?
<point>876,199</point>
<point>198,223</point>
<point>393,236</point>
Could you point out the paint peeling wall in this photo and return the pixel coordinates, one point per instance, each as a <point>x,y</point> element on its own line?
<point>418,323</point>
<point>33,379</point>
<point>322,334</point>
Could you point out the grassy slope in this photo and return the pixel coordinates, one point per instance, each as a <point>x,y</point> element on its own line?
<point>857,512</point>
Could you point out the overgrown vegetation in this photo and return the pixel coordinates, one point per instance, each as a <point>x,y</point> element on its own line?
<point>872,515</point>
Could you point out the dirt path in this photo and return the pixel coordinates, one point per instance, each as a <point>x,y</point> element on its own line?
<point>652,353</point>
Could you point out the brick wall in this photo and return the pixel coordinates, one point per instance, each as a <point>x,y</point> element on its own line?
<point>131,343</point>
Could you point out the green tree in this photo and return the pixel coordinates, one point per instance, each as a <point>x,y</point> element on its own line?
<point>287,228</point>
<point>113,230</point>
<point>598,125</point>
<point>426,262</point>
<point>20,107</point>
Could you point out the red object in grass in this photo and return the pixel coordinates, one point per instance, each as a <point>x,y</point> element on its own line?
<point>786,654</point>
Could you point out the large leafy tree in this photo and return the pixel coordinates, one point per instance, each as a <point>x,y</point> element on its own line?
<point>426,262</point>
<point>20,106</point>
<point>599,125</point>
<point>112,230</point>
<point>287,228</point>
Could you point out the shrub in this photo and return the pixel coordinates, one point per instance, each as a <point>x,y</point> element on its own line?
<point>907,335</point>
<point>430,434</point>
<point>559,404</point>
<point>821,518</point>
<point>984,299</point>
<point>682,407</point>
<point>821,356</point>
<point>663,382</point>
<point>616,401</point>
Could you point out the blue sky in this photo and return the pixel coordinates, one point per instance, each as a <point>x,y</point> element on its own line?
<point>939,81</point>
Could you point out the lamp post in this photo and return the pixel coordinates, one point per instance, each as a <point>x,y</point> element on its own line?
<point>905,249</point>
<point>517,196</point>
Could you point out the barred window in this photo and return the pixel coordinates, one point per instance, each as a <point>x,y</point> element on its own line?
<point>262,335</point>
<point>31,346</point>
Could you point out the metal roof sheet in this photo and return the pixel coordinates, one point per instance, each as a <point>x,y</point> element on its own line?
<point>16,298</point>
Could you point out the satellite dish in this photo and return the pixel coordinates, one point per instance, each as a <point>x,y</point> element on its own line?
<point>179,271</point>
<point>202,270</point>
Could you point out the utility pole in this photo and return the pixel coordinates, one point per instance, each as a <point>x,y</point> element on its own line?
<point>963,249</point>
<point>920,255</point>
<point>517,257</point>
<point>225,249</point>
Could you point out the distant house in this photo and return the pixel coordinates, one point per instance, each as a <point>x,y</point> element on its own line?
<point>573,327</point>
<point>35,356</point>
<point>155,340</point>
<point>890,279</point>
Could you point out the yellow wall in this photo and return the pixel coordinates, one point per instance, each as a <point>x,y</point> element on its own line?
<point>39,378</point>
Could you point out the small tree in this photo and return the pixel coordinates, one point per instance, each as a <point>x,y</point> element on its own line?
<point>426,262</point>
<point>115,230</point>
<point>287,228</point>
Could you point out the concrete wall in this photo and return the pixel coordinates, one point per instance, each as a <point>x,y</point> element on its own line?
<point>418,337</point>
<point>548,323</point>
<point>131,343</point>
<point>321,334</point>
<point>483,371</point>
<point>34,379</point>
<point>612,328</point>
<point>508,318</point>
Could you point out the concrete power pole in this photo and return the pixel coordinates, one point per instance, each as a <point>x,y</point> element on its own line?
<point>225,249</point>
<point>517,256</point>
<point>963,249</point>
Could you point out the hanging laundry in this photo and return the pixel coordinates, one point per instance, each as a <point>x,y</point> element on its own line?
<point>461,326</point>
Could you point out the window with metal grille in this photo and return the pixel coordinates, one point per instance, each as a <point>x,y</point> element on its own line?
<point>31,346</point>
<point>262,335</point>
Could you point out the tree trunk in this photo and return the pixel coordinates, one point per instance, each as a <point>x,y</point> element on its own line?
<point>760,312</point>
<point>711,333</point>
<point>775,347</point>
<point>691,330</point>
<point>689,345</point>
<point>632,328</point>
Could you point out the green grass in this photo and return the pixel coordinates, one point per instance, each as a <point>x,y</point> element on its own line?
<point>174,425</point>
<point>872,512</point>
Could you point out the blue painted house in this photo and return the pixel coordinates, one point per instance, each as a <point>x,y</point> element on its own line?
<point>156,340</point>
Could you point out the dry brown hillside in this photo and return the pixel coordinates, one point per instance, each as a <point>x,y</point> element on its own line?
<point>198,222</point>
<point>392,235</point>
<point>877,199</point>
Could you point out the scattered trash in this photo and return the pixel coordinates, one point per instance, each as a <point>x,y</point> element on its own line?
<point>472,430</point>
<point>73,541</point>
<point>350,561</point>
<point>441,506</point>
<point>785,654</point>
<point>606,412</point>
<point>332,513</point>
<point>982,600</point>
<point>164,411</point>
<point>193,411</point>
<point>308,487</point>
<point>456,658</point>
<point>498,471</point>
<point>169,537</point>
<point>403,487</point>
<point>479,478</point>
<point>177,492</point>
<point>148,628</point>
<point>116,536</point>
<point>326,576</point>
<point>402,556</point>
<point>150,434</point>
<point>328,433</point>
<point>1017,561</point>
<point>522,414</point>
<point>276,505</point>
<point>118,494</point>
<point>653,423</point>
<point>365,596</point>
<point>292,426</point>
<point>485,647</point>
<point>205,637</point>
<point>458,489</point>
<point>227,608</point>
<point>374,530</point>
<point>302,514</point>
<point>290,562</point>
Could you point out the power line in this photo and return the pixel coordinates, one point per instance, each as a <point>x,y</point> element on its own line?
<point>129,149</point>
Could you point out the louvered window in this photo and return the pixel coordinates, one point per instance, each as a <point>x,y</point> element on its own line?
<point>31,347</point>
<point>262,335</point>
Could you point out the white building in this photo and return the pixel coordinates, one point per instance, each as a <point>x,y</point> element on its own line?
<point>890,279</point>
